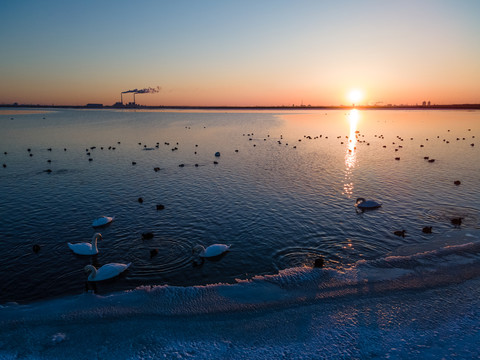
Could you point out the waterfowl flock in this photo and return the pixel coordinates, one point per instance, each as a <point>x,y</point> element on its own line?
<point>357,137</point>
<point>361,204</point>
<point>111,270</point>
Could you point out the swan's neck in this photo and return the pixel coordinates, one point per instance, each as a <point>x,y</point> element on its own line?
<point>93,273</point>
<point>94,243</point>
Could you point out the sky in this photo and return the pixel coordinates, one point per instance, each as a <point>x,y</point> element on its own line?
<point>240,52</point>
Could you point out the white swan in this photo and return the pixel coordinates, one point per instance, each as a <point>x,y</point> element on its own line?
<point>105,272</point>
<point>363,204</point>
<point>212,250</point>
<point>102,220</point>
<point>86,248</point>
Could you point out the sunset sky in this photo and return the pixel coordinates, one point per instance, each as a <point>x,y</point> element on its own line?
<point>240,52</point>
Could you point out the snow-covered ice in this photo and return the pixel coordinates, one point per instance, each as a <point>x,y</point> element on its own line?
<point>423,305</point>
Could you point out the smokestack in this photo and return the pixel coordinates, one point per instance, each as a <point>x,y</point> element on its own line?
<point>121,98</point>
<point>148,90</point>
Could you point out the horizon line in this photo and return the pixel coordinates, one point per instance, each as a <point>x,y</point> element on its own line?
<point>467,106</point>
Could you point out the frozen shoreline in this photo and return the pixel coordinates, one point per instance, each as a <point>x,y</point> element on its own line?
<point>425,305</point>
<point>436,323</point>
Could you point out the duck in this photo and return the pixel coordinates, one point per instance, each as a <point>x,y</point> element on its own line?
<point>427,230</point>
<point>211,251</point>
<point>105,272</point>
<point>363,204</point>
<point>456,221</point>
<point>147,235</point>
<point>86,248</point>
<point>400,233</point>
<point>102,221</point>
<point>319,262</point>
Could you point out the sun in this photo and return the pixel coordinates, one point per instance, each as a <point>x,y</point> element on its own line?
<point>355,96</point>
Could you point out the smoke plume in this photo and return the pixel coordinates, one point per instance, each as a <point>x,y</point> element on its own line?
<point>130,91</point>
<point>148,90</point>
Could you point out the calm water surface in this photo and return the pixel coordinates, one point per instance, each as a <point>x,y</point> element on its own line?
<point>282,193</point>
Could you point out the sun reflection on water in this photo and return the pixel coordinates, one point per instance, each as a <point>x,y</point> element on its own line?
<point>350,153</point>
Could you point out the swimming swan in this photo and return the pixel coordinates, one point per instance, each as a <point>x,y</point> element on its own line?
<point>363,204</point>
<point>212,250</point>
<point>107,271</point>
<point>102,220</point>
<point>86,248</point>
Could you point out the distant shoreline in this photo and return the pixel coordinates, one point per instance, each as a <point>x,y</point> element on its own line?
<point>159,107</point>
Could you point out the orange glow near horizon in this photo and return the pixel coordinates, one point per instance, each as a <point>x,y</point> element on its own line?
<point>233,61</point>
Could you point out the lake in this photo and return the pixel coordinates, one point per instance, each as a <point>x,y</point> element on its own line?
<point>282,192</point>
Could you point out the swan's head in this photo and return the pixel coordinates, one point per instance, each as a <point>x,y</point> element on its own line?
<point>359,200</point>
<point>98,236</point>
<point>90,269</point>
<point>198,249</point>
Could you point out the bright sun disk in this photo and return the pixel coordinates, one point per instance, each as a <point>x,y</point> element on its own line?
<point>355,96</point>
